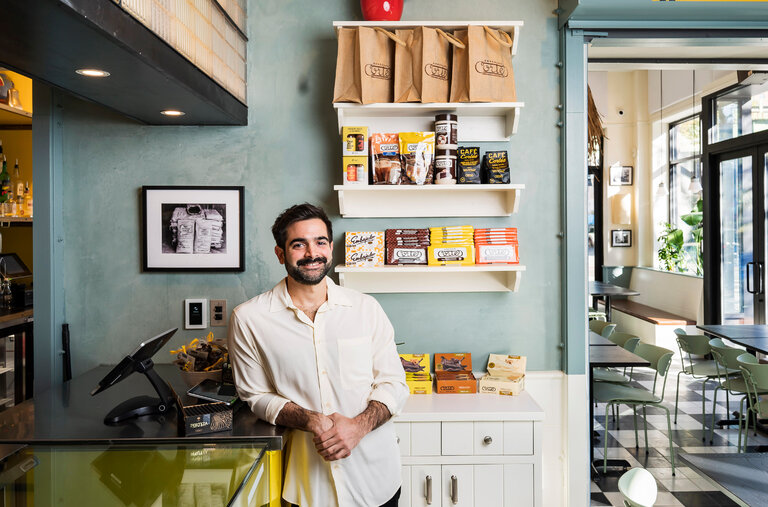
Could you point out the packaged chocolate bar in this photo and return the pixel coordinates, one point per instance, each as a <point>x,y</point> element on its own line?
<point>510,385</point>
<point>406,255</point>
<point>454,374</point>
<point>500,365</point>
<point>360,238</point>
<point>496,167</point>
<point>387,166</point>
<point>468,170</point>
<point>417,151</point>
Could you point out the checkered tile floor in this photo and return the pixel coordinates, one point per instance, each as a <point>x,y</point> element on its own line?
<point>686,487</point>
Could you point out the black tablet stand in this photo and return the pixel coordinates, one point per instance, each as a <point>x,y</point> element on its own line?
<point>144,405</point>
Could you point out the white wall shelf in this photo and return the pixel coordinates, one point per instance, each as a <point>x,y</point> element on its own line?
<point>387,201</point>
<point>397,279</point>
<point>478,121</point>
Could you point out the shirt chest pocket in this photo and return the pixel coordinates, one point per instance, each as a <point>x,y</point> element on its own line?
<point>355,362</point>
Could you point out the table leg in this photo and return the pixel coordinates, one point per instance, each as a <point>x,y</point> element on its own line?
<point>608,308</point>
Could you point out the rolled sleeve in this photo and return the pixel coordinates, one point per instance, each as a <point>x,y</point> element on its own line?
<point>389,385</point>
<point>253,384</point>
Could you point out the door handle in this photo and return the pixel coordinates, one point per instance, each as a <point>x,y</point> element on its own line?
<point>454,490</point>
<point>428,490</point>
<point>749,278</point>
<point>760,278</point>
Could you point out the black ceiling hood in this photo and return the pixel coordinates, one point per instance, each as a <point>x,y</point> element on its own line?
<point>49,39</point>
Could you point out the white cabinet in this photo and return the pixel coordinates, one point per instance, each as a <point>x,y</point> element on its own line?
<point>471,450</point>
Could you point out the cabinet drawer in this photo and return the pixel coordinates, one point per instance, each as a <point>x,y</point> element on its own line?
<point>518,437</point>
<point>457,439</point>
<point>489,438</point>
<point>425,439</point>
<point>403,432</point>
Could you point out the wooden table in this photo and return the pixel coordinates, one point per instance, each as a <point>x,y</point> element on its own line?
<point>608,290</point>
<point>754,337</point>
<point>743,476</point>
<point>598,340</point>
<point>602,356</point>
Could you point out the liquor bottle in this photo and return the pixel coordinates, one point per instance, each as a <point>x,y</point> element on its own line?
<point>17,187</point>
<point>28,200</point>
<point>5,187</point>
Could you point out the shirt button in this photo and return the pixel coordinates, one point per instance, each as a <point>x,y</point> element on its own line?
<point>327,405</point>
<point>324,372</point>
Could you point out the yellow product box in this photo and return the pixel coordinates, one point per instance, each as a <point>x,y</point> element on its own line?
<point>510,385</point>
<point>373,239</point>
<point>364,256</point>
<point>503,365</point>
<point>355,170</point>
<point>417,375</point>
<point>419,385</point>
<point>451,254</point>
<point>354,141</point>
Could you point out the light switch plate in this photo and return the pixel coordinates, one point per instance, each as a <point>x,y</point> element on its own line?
<point>218,312</point>
<point>195,313</point>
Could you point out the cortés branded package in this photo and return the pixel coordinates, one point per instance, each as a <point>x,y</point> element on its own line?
<point>364,248</point>
<point>454,374</point>
<point>506,375</point>
<point>417,151</point>
<point>417,374</point>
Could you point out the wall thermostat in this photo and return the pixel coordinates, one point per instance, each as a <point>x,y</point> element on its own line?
<point>195,313</point>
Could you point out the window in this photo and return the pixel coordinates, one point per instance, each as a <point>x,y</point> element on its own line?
<point>741,111</point>
<point>684,165</point>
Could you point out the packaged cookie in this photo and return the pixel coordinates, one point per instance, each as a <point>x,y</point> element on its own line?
<point>385,152</point>
<point>417,152</point>
<point>468,170</point>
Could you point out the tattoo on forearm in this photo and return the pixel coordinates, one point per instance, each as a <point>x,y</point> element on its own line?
<point>374,415</point>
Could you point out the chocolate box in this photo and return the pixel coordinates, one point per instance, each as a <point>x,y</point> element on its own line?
<point>454,374</point>
<point>417,374</point>
<point>510,385</point>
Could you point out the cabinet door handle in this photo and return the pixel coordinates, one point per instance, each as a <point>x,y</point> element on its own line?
<point>454,490</point>
<point>398,440</point>
<point>428,490</point>
<point>488,440</point>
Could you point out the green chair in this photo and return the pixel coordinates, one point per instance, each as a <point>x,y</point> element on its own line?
<point>620,394</point>
<point>629,342</point>
<point>756,379</point>
<point>727,363</point>
<point>601,327</point>
<point>698,345</point>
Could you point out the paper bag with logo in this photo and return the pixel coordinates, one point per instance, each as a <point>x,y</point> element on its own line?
<point>422,66</point>
<point>377,58</point>
<point>489,66</point>
<point>347,85</point>
<point>459,74</point>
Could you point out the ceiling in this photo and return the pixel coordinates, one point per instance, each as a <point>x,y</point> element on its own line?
<point>49,39</point>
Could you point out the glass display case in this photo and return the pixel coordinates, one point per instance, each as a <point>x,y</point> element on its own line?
<point>236,474</point>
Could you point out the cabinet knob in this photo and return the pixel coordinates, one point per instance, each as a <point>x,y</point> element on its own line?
<point>428,490</point>
<point>487,440</point>
<point>398,440</point>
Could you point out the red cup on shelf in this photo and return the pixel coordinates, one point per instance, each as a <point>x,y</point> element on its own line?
<point>382,10</point>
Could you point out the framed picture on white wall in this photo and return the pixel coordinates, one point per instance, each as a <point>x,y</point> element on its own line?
<point>621,238</point>
<point>620,175</point>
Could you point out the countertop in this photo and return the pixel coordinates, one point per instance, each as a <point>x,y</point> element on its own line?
<point>470,407</point>
<point>68,413</point>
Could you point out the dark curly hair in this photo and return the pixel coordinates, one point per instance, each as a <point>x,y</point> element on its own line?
<point>297,213</point>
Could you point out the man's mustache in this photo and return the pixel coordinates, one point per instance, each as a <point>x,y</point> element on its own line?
<point>304,262</point>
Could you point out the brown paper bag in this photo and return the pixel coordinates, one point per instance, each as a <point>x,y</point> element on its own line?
<point>490,65</point>
<point>422,67</point>
<point>459,73</point>
<point>377,58</point>
<point>347,85</point>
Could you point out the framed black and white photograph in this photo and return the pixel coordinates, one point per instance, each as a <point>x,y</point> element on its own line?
<point>621,237</point>
<point>193,228</point>
<point>620,175</point>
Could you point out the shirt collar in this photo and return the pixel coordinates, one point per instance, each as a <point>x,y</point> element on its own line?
<point>281,299</point>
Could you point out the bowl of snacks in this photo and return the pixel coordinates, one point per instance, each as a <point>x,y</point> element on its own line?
<point>201,359</point>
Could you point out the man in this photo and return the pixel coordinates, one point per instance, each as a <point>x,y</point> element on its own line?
<point>321,359</point>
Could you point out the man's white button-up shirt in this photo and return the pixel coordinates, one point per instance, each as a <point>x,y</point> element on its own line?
<point>338,363</point>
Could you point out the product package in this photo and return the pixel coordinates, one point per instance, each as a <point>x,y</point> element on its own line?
<point>469,164</point>
<point>387,166</point>
<point>503,364</point>
<point>417,151</point>
<point>364,249</point>
<point>506,375</point>
<point>355,170</point>
<point>203,418</point>
<point>454,374</point>
<point>417,374</point>
<point>452,245</point>
<point>496,246</point>
<point>496,167</point>
<point>354,141</point>
<point>406,246</point>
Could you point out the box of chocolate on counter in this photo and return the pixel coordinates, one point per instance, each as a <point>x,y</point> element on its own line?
<point>454,374</point>
<point>417,374</point>
<point>203,418</point>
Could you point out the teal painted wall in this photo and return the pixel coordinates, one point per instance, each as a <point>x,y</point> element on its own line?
<point>290,153</point>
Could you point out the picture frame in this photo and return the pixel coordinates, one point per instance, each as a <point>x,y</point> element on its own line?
<point>621,175</point>
<point>621,238</point>
<point>193,228</point>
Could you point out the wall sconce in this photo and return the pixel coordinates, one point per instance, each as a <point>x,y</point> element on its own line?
<point>621,209</point>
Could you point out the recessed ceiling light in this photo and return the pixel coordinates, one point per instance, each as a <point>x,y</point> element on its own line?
<point>92,72</point>
<point>172,112</point>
